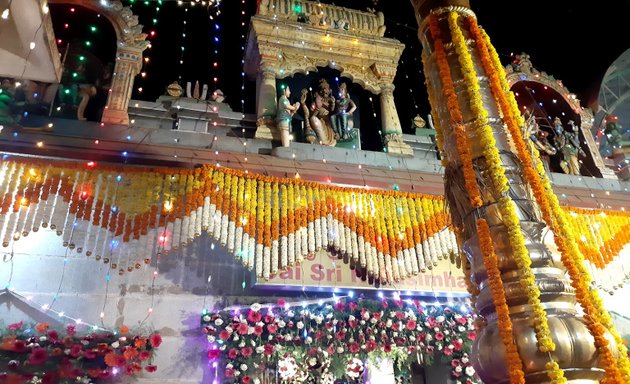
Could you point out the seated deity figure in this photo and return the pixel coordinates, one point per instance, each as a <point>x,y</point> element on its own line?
<point>285,113</point>
<point>567,142</point>
<point>317,115</point>
<point>344,107</point>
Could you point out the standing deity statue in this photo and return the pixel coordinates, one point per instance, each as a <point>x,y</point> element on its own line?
<point>317,115</point>
<point>540,141</point>
<point>344,107</point>
<point>285,113</point>
<point>567,142</point>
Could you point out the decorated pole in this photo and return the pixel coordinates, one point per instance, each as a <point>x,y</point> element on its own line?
<point>500,203</point>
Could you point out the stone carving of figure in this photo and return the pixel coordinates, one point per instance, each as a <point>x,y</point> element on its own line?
<point>317,115</point>
<point>344,107</point>
<point>523,63</point>
<point>567,142</point>
<point>285,113</point>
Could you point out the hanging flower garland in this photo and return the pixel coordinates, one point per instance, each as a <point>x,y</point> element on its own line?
<point>42,354</point>
<point>616,370</point>
<point>332,334</point>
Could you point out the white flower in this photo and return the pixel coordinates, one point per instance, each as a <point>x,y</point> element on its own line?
<point>255,307</point>
<point>458,368</point>
<point>366,315</point>
<point>281,324</point>
<point>223,347</point>
<point>461,328</point>
<point>43,338</point>
<point>388,323</point>
<point>243,367</point>
<point>115,344</point>
<point>236,337</point>
<point>290,313</point>
<point>256,381</point>
<point>329,336</point>
<point>412,338</point>
<point>339,349</point>
<point>250,330</point>
<point>229,365</point>
<point>470,370</point>
<point>211,339</point>
<point>229,329</point>
<point>218,322</point>
<point>308,340</point>
<point>329,316</point>
<point>241,344</point>
<point>270,337</point>
<point>362,322</point>
<point>464,359</point>
<point>260,349</point>
<point>319,319</point>
<point>429,337</point>
<point>392,314</point>
<point>237,372</point>
<point>373,320</point>
<point>206,318</point>
<point>447,332</point>
<point>300,325</point>
<point>440,319</point>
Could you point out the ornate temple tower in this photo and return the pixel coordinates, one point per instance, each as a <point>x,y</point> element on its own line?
<point>501,203</point>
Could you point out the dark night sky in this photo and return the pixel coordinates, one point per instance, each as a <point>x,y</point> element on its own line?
<point>573,42</point>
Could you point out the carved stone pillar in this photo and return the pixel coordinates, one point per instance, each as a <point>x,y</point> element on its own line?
<point>390,124</point>
<point>266,104</point>
<point>452,106</point>
<point>128,65</point>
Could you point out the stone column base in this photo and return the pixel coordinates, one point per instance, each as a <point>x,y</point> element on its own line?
<point>399,148</point>
<point>111,116</point>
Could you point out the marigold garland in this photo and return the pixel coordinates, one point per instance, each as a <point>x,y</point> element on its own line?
<point>491,263</point>
<point>500,183</point>
<point>616,371</point>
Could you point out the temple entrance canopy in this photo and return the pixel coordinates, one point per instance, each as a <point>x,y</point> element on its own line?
<point>289,37</point>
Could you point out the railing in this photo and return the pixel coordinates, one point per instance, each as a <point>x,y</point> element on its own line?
<point>324,16</point>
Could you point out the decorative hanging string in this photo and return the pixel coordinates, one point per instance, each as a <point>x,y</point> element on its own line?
<point>132,211</point>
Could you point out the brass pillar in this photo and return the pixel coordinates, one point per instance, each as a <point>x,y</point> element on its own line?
<point>575,350</point>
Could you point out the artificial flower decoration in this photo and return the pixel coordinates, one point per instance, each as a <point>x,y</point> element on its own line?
<point>40,354</point>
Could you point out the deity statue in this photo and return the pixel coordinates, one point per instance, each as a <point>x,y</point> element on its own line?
<point>285,113</point>
<point>344,107</point>
<point>317,114</point>
<point>567,141</point>
<point>540,141</point>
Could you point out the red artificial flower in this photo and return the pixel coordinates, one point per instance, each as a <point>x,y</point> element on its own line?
<point>331,350</point>
<point>455,363</point>
<point>155,340</point>
<point>232,353</point>
<point>224,335</point>
<point>447,351</point>
<point>411,324</point>
<point>268,319</point>
<point>376,316</point>
<point>319,334</point>
<point>281,302</point>
<point>15,326</point>
<point>242,329</point>
<point>329,326</point>
<point>399,303</point>
<point>38,356</point>
<point>229,372</point>
<point>353,323</point>
<point>370,345</point>
<point>458,345</point>
<point>439,335</point>
<point>430,348</point>
<point>71,330</point>
<point>89,354</point>
<point>354,347</point>
<point>268,349</point>
<point>94,373</point>
<point>396,326</point>
<point>56,352</point>
<point>400,315</point>
<point>130,353</point>
<point>431,321</point>
<point>144,355</point>
<point>129,371</point>
<point>68,342</point>
<point>114,360</point>
<point>471,335</point>
<point>462,320</point>
<point>246,379</point>
<point>387,348</point>
<point>340,335</point>
<point>340,306</point>
<point>19,346</point>
<point>50,378</point>
<point>254,316</point>
<point>384,304</point>
<point>247,352</point>
<point>76,350</point>
<point>53,335</point>
<point>272,328</point>
<point>258,330</point>
<point>352,305</point>
<point>150,368</point>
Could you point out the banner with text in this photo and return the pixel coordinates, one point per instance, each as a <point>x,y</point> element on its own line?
<point>323,271</point>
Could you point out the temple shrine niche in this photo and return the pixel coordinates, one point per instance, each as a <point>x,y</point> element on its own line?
<point>289,38</point>
<point>558,126</point>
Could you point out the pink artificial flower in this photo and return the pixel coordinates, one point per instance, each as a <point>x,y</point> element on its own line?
<point>268,319</point>
<point>354,347</point>
<point>439,335</point>
<point>340,306</point>
<point>411,324</point>
<point>447,351</point>
<point>76,350</point>
<point>377,316</point>
<point>15,326</point>
<point>352,305</point>
<point>150,368</point>
<point>387,348</point>
<point>370,345</point>
<point>462,320</point>
<point>71,330</point>
<point>224,335</point>
<point>455,363</point>
<point>272,328</point>
<point>281,303</point>
<point>254,316</point>
<point>232,353</point>
<point>53,335</point>
<point>144,355</point>
<point>258,330</point>
<point>242,329</point>
<point>471,335</point>
<point>89,354</point>
<point>457,344</point>
<point>247,352</point>
<point>268,349</point>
